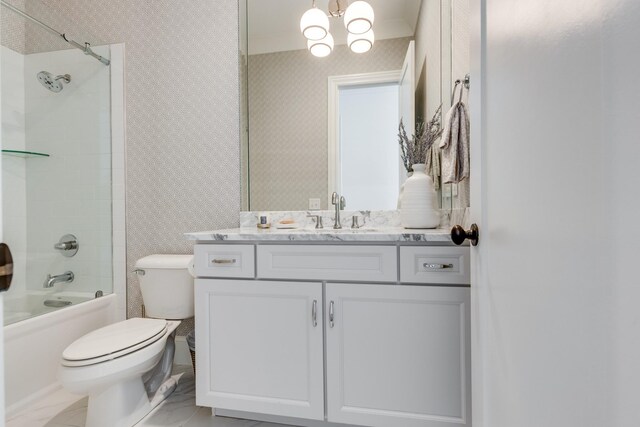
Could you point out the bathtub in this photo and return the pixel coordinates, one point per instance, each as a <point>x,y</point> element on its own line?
<point>35,303</point>
<point>32,347</point>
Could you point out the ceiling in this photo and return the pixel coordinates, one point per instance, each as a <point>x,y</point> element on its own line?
<point>274,25</point>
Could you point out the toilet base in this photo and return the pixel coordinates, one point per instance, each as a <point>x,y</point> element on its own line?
<point>125,406</point>
<point>121,405</point>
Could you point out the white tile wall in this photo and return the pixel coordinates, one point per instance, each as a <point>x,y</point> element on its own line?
<point>13,168</point>
<point>69,192</point>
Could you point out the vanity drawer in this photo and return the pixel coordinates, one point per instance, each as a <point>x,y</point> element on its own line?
<point>328,262</point>
<point>224,261</point>
<point>434,264</point>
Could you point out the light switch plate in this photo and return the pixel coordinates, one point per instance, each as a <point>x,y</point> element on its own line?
<point>314,204</point>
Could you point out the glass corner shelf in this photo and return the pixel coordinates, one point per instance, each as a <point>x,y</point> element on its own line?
<point>23,154</point>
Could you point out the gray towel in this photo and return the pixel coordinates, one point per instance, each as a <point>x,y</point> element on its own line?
<point>433,165</point>
<point>455,145</point>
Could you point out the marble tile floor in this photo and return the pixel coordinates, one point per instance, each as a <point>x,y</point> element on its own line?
<point>64,409</point>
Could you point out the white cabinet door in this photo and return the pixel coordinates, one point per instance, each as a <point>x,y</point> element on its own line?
<point>259,348</point>
<point>398,355</point>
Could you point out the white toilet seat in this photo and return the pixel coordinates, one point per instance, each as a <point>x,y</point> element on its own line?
<point>84,379</point>
<point>114,341</point>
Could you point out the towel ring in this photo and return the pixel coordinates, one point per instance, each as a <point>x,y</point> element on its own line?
<point>463,84</point>
<point>455,87</point>
<point>453,95</point>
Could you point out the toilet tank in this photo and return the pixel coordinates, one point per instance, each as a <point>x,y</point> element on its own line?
<point>166,286</point>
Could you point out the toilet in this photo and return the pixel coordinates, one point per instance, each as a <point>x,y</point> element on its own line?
<point>125,367</point>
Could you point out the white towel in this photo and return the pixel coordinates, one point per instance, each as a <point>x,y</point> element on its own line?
<point>455,145</point>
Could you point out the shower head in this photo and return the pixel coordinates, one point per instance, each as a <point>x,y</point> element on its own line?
<point>54,84</point>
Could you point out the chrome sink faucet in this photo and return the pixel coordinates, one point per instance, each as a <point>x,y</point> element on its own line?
<point>66,277</point>
<point>339,203</point>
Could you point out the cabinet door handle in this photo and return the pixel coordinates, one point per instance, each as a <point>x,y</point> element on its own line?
<point>434,266</point>
<point>314,313</point>
<point>223,261</point>
<point>331,314</point>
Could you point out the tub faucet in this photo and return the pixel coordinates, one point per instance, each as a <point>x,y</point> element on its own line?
<point>66,277</point>
<point>339,203</point>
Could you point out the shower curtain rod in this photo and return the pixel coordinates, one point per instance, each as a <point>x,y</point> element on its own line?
<point>86,48</point>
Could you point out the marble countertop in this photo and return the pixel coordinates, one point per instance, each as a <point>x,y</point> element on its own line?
<point>386,234</point>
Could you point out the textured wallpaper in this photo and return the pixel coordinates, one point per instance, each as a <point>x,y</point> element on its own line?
<point>12,28</point>
<point>182,114</point>
<point>288,119</point>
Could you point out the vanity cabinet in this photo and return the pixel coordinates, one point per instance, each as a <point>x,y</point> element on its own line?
<point>307,340</point>
<point>260,347</point>
<point>397,355</point>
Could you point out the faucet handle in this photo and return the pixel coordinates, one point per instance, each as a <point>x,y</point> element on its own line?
<point>354,222</point>
<point>317,219</point>
<point>343,203</point>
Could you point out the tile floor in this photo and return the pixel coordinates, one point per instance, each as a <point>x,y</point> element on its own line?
<point>63,409</point>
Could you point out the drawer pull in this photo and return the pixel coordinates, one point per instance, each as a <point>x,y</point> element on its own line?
<point>314,313</point>
<point>223,261</point>
<point>331,314</point>
<point>432,266</point>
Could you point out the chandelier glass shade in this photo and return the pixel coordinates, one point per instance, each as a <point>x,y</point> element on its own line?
<point>361,43</point>
<point>321,48</point>
<point>314,24</point>
<point>358,19</point>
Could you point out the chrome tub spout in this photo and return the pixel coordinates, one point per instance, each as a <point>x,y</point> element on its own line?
<point>66,277</point>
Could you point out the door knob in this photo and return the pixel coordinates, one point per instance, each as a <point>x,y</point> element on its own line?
<point>6,267</point>
<point>459,234</point>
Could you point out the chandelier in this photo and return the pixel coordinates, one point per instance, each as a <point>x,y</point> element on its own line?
<point>358,20</point>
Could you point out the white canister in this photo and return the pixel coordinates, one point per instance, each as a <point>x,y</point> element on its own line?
<point>418,208</point>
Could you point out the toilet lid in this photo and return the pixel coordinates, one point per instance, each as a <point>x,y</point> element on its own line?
<point>114,341</point>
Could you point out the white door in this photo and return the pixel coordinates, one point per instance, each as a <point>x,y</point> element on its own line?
<point>260,347</point>
<point>1,293</point>
<point>355,101</point>
<point>555,295</point>
<point>398,356</point>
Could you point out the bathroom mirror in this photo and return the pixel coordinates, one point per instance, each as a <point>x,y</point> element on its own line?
<point>291,156</point>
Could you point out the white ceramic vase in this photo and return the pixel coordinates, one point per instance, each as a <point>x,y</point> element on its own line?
<point>402,191</point>
<point>418,207</point>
